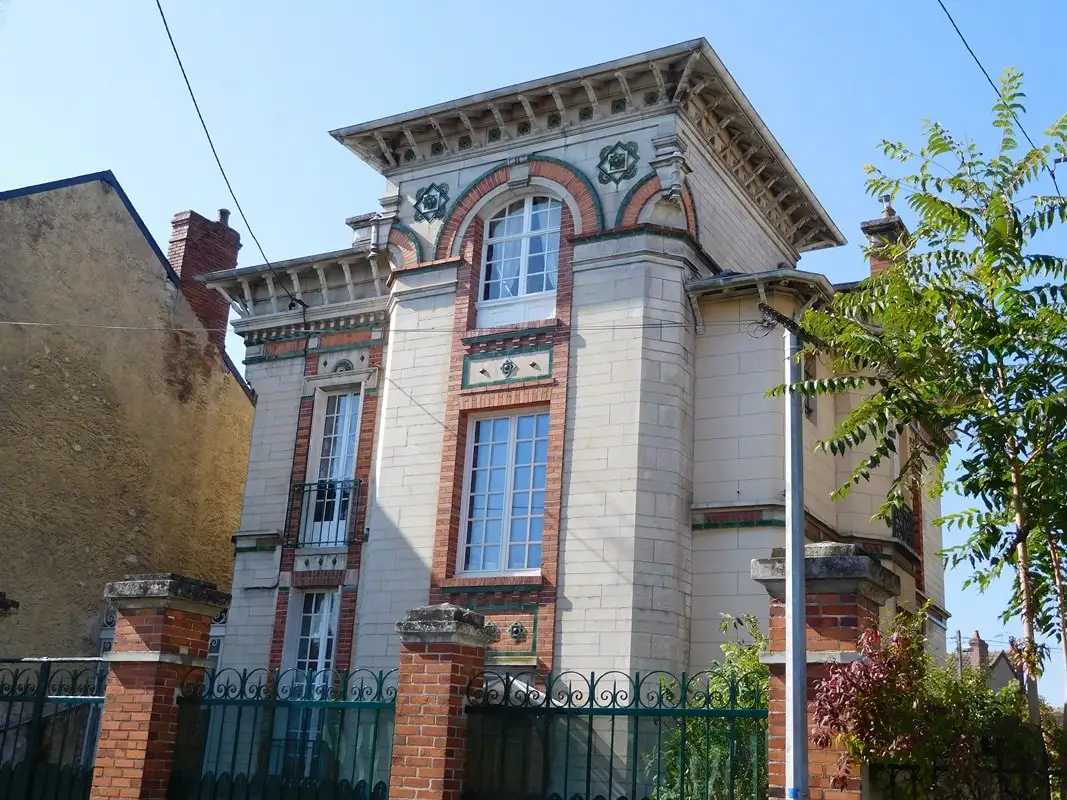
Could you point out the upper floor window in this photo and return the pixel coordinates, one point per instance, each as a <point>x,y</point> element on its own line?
<point>505,507</point>
<point>521,262</point>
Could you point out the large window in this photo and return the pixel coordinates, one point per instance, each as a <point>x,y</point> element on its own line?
<point>504,512</point>
<point>521,261</point>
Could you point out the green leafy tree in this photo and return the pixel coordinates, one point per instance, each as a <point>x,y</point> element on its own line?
<point>963,340</point>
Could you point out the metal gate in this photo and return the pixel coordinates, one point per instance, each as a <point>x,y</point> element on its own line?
<point>49,723</point>
<point>259,735</point>
<point>613,736</point>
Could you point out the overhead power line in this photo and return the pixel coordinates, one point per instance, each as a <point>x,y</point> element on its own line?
<point>207,133</point>
<point>993,83</point>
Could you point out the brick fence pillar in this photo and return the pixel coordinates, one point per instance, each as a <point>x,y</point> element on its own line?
<point>442,650</point>
<point>845,591</point>
<point>162,631</point>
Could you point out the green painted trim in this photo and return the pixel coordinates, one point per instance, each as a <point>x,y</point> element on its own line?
<point>584,179</point>
<point>533,609</point>
<point>404,230</point>
<point>739,523</point>
<point>257,549</point>
<point>315,351</point>
<point>283,590</point>
<point>468,361</point>
<point>503,337</point>
<point>626,198</point>
<point>489,588</point>
<point>456,203</point>
<point>370,390</point>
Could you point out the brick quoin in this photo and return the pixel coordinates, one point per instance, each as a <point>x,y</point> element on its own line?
<point>199,246</point>
<point>161,640</point>
<point>461,403</point>
<point>845,590</point>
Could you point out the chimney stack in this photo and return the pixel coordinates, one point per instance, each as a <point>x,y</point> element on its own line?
<point>887,229</point>
<point>199,246</point>
<point>979,653</point>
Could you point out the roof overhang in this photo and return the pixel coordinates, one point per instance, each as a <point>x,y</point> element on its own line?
<point>806,284</point>
<point>688,79</point>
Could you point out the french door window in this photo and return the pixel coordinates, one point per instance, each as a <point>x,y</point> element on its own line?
<point>328,497</point>
<point>521,261</point>
<point>504,511</point>
<point>316,632</point>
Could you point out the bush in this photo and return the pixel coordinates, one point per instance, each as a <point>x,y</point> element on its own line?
<point>897,706</point>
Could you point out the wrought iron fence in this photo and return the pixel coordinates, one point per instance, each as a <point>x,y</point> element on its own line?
<point>280,734</point>
<point>614,736</point>
<point>1002,782</point>
<point>323,513</point>
<point>49,723</point>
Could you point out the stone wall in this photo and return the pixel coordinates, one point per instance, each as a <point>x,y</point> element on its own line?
<point>120,450</point>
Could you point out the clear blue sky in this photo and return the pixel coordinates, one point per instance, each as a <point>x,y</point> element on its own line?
<point>91,86</point>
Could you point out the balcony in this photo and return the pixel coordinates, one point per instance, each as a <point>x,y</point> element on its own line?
<point>323,514</point>
<point>902,521</point>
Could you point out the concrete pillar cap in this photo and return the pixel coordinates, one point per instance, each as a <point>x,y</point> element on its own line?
<point>444,623</point>
<point>166,589</point>
<point>830,567</point>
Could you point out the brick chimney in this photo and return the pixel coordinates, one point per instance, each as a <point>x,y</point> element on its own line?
<point>979,653</point>
<point>886,229</point>
<point>199,246</point>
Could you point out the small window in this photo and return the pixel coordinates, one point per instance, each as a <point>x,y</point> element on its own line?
<point>811,402</point>
<point>522,249</point>
<point>504,512</point>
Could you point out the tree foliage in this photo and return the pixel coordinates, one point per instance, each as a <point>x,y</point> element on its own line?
<point>962,341</point>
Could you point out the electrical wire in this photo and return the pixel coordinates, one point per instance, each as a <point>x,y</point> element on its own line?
<point>989,79</point>
<point>316,332</point>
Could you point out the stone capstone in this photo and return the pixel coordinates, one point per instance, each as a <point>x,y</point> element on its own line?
<point>442,622</point>
<point>166,586</point>
<point>828,568</point>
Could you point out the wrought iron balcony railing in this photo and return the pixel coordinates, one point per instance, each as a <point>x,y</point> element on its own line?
<point>323,513</point>
<point>903,523</point>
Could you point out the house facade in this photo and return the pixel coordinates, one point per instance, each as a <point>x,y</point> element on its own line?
<point>535,384</point>
<point>124,429</point>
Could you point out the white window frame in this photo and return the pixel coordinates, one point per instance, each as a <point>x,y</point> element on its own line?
<point>318,424</point>
<point>296,614</point>
<point>505,526</point>
<point>526,307</point>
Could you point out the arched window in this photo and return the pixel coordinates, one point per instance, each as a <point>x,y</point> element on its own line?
<point>521,261</point>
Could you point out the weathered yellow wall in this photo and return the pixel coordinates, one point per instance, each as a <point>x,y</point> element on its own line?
<point>120,451</point>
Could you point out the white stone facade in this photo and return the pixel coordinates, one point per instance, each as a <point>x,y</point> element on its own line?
<point>673,454</point>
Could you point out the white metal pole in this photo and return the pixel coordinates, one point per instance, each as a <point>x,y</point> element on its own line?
<point>796,651</point>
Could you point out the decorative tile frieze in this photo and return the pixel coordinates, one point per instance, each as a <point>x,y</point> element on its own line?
<point>431,202</point>
<point>515,366</point>
<point>618,162</point>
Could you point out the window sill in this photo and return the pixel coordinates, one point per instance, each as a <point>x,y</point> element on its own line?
<point>492,583</point>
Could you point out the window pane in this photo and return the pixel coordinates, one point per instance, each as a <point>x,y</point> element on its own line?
<point>524,452</point>
<point>542,425</point>
<point>475,532</point>
<point>500,429</point>
<point>539,477</point>
<point>522,477</point>
<point>491,558</point>
<point>497,480</point>
<point>500,455</point>
<point>492,532</point>
<point>526,427</point>
<point>517,557</point>
<point>537,527</point>
<point>533,556</point>
<point>496,502</point>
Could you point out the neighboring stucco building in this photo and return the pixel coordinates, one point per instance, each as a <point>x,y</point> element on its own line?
<point>124,429</point>
<point>536,383</point>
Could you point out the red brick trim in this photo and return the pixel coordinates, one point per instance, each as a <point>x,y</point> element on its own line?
<point>406,247</point>
<point>491,582</point>
<point>460,404</point>
<point>318,579</point>
<point>567,179</point>
<point>645,193</point>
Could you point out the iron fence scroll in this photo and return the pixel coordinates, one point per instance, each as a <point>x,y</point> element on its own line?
<point>49,724</point>
<point>284,733</point>
<point>615,736</point>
